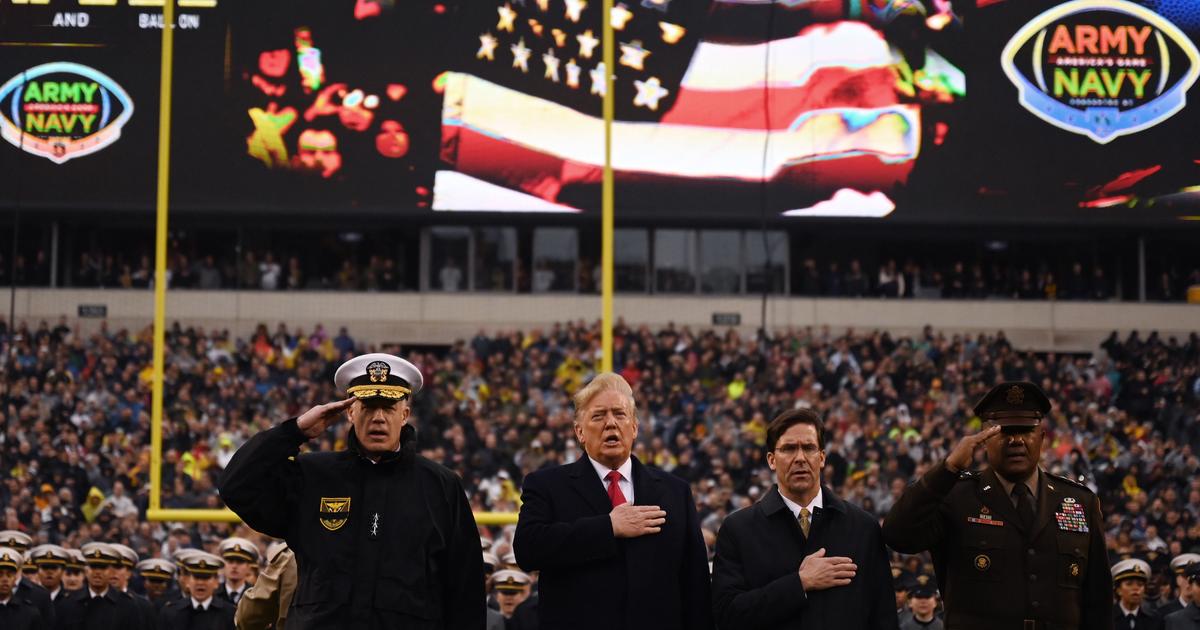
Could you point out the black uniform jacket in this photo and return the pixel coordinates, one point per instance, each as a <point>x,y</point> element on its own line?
<point>1168,608</point>
<point>993,575</point>
<point>378,545</point>
<point>1183,619</point>
<point>222,593</point>
<point>37,595</point>
<point>181,615</point>
<point>77,610</point>
<point>591,579</point>
<point>21,614</point>
<point>756,581</point>
<point>1142,620</point>
<point>147,612</point>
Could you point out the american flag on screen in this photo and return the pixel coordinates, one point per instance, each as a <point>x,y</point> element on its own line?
<point>805,96</point>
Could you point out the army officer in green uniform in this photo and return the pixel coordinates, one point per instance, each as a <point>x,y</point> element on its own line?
<point>1014,547</point>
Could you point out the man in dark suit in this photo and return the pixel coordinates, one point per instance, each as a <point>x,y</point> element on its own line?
<point>1189,617</point>
<point>1013,546</point>
<point>617,543</point>
<point>1129,585</point>
<point>801,557</point>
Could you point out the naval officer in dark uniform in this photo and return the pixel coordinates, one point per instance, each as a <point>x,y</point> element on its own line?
<point>16,612</point>
<point>1014,548</point>
<point>201,609</point>
<point>383,537</point>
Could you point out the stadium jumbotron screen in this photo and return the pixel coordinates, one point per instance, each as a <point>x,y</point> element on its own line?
<point>724,108</point>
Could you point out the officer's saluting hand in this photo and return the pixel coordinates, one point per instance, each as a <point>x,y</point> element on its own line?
<point>1014,547</point>
<point>383,537</point>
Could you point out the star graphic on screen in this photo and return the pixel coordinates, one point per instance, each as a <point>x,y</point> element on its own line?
<point>560,37</point>
<point>649,92</point>
<point>544,5</point>
<point>598,85</point>
<point>507,16</point>
<point>573,73</point>
<point>672,33</point>
<point>520,55</point>
<point>551,65</point>
<point>633,55</point>
<point>587,43</point>
<point>487,47</point>
<point>620,17</point>
<point>575,9</point>
<point>660,5</point>
<point>536,27</point>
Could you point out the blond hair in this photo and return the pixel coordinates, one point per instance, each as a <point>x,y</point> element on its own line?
<point>603,382</point>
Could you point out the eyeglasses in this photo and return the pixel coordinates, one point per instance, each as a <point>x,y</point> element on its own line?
<point>790,450</point>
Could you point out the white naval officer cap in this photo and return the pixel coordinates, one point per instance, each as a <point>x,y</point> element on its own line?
<point>1131,568</point>
<point>379,375</point>
<point>1181,562</point>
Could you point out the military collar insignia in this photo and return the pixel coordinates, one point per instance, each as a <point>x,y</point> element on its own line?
<point>1071,516</point>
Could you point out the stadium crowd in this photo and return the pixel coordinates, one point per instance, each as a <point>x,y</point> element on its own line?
<point>76,414</point>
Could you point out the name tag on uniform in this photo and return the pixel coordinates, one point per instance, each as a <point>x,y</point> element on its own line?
<point>1071,517</point>
<point>985,518</point>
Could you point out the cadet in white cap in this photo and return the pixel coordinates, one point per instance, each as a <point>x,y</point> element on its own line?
<point>1129,584</point>
<point>16,612</point>
<point>495,620</point>
<point>73,575</point>
<point>29,569</point>
<point>239,555</point>
<point>512,587</point>
<point>122,574</point>
<point>361,521</point>
<point>1179,565</point>
<point>51,562</point>
<point>182,577</point>
<point>98,604</point>
<point>158,576</point>
<point>28,586</point>
<point>14,539</point>
<point>200,610</point>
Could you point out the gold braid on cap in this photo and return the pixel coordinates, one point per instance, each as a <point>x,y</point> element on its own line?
<point>395,392</point>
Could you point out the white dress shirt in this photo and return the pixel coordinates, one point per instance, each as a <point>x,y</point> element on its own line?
<point>202,605</point>
<point>625,483</point>
<point>817,503</point>
<point>95,594</point>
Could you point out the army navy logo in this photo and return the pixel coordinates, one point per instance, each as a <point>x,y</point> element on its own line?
<point>378,371</point>
<point>1101,68</point>
<point>982,562</point>
<point>1015,395</point>
<point>335,511</point>
<point>62,110</point>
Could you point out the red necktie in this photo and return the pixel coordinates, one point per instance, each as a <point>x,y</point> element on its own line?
<point>614,489</point>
